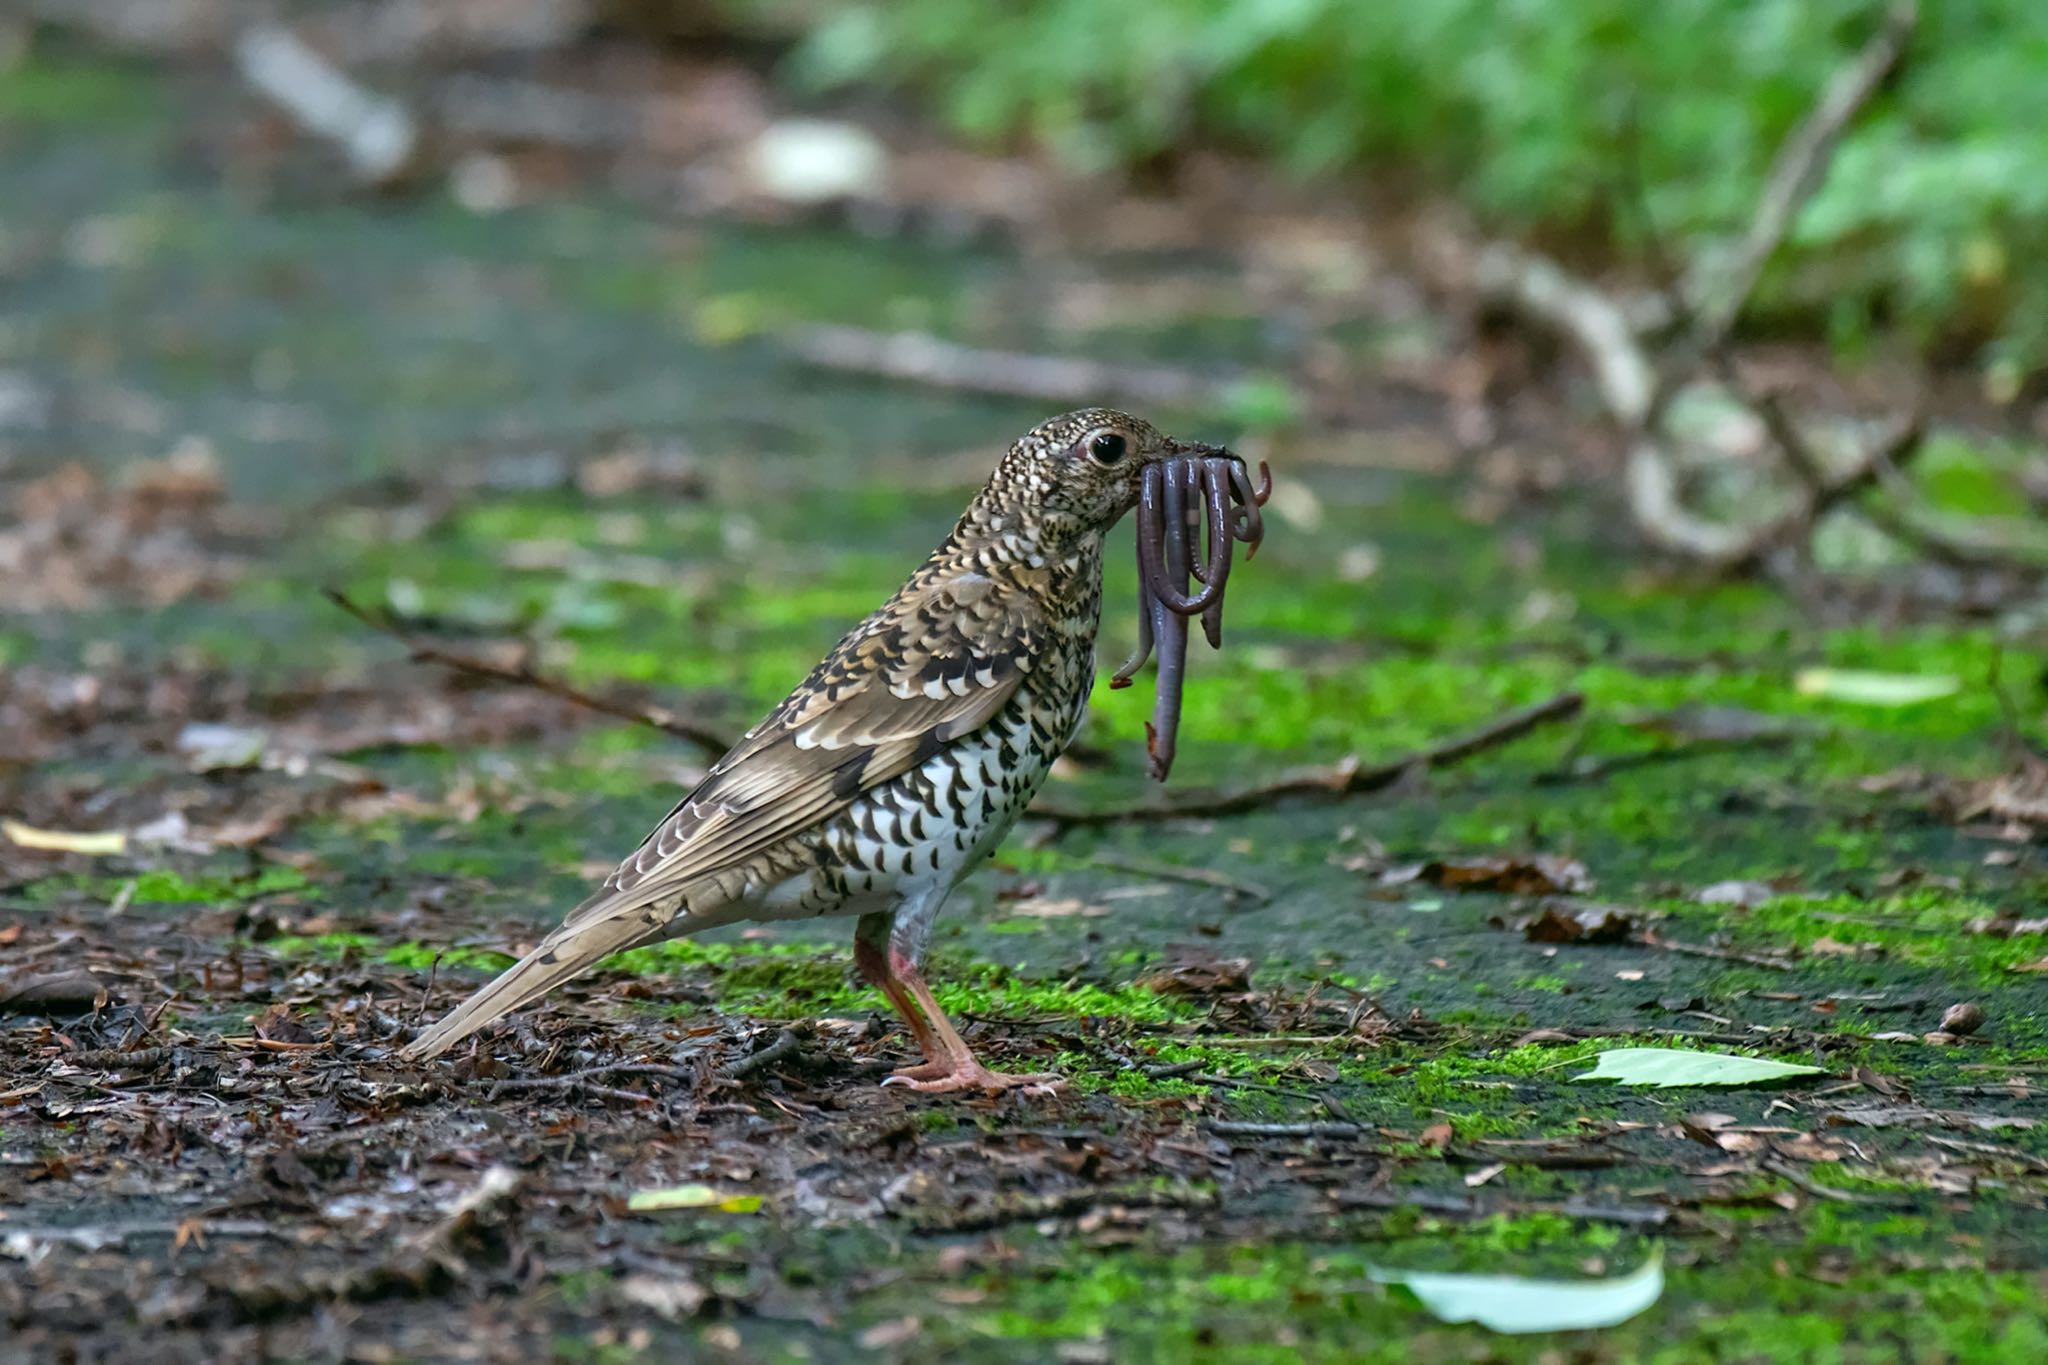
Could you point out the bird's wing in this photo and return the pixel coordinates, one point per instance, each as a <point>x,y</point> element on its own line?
<point>938,664</point>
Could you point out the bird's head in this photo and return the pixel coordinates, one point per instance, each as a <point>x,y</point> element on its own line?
<point>1076,475</point>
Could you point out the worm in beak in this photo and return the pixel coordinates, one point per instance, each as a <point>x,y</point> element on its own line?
<point>1194,507</point>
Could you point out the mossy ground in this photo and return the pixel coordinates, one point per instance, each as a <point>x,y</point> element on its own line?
<point>820,497</point>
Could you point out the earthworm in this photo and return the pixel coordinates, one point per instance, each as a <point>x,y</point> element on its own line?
<point>1192,511</point>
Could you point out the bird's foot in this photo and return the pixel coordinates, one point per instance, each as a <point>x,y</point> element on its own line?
<point>938,1078</point>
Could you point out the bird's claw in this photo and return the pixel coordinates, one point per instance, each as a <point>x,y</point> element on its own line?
<point>932,1078</point>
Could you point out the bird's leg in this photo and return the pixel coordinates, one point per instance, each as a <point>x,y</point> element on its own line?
<point>965,1071</point>
<point>871,955</point>
<point>950,1064</point>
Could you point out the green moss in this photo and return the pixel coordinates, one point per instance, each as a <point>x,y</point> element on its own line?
<point>343,945</point>
<point>1921,928</point>
<point>57,93</point>
<point>164,887</point>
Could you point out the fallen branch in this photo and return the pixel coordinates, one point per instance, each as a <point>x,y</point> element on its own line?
<point>583,1080</point>
<point>1801,1180</point>
<point>376,134</point>
<point>22,1241</point>
<point>115,1059</point>
<point>660,718</point>
<point>918,358</point>
<point>1542,291</point>
<point>1467,1206</point>
<point>1026,1208</point>
<point>1717,293</point>
<point>784,1047</point>
<point>1347,777</point>
<point>1637,390</point>
<point>1235,1128</point>
<point>1666,945</point>
<point>1972,543</point>
<point>1192,876</point>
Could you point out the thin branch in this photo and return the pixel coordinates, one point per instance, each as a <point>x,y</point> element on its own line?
<point>660,718</point>
<point>1704,950</point>
<point>1235,1128</point>
<point>1348,777</point>
<point>581,1080</point>
<point>1824,489</point>
<point>1790,1173</point>
<point>1019,1208</point>
<point>919,358</point>
<point>1718,293</point>
<point>1636,391</point>
<point>1545,293</point>
<point>1907,517</point>
<point>1192,876</point>
<point>782,1049</point>
<point>377,135</point>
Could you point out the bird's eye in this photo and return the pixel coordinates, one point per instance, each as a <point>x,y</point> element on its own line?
<point>1107,447</point>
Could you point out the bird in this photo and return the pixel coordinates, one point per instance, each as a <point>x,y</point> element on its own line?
<point>899,763</point>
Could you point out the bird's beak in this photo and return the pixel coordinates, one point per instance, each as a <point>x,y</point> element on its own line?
<point>1197,449</point>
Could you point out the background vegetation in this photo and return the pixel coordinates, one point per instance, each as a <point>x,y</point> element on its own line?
<point>1537,113</point>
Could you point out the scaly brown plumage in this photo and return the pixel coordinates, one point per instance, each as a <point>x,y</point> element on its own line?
<point>901,761</point>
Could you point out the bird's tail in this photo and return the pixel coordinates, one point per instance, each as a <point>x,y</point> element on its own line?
<point>576,945</point>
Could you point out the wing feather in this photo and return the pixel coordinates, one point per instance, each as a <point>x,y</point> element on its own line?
<point>937,664</point>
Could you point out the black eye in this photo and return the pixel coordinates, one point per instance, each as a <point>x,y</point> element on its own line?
<point>1107,447</point>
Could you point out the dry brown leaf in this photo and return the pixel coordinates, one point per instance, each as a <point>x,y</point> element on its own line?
<point>107,843</point>
<point>1541,874</point>
<point>1561,924</point>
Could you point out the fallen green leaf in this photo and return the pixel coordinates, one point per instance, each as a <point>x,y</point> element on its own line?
<point>691,1197</point>
<point>1875,689</point>
<point>111,842</point>
<point>1666,1067</point>
<point>1511,1304</point>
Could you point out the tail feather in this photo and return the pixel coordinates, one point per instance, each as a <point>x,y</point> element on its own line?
<point>562,954</point>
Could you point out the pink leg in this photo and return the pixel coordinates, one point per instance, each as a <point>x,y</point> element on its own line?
<point>873,961</point>
<point>950,1064</point>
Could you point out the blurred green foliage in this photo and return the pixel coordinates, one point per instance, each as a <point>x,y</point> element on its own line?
<point>1540,114</point>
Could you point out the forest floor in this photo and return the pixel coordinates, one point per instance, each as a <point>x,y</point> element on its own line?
<point>1309,1044</point>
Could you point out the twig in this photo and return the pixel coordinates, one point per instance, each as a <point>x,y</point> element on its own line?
<point>1279,1041</point>
<point>660,718</point>
<point>1194,876</point>
<point>1241,1083</point>
<point>1234,1128</point>
<point>1717,292</point>
<point>1824,488</point>
<point>2026,1159</point>
<point>1466,1206</point>
<point>115,1059</point>
<point>1813,1187</point>
<point>917,358</point>
<point>1907,518</point>
<point>1163,1073</point>
<point>96,1236</point>
<point>1542,291</point>
<point>1630,385</point>
<point>581,1079</point>
<point>376,134</point>
<point>1030,1207</point>
<point>785,1045</point>
<point>1703,950</point>
<point>1347,777</point>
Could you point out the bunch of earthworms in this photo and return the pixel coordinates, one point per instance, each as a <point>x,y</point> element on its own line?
<point>1192,512</point>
